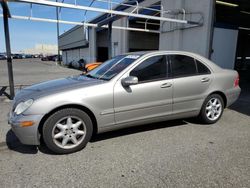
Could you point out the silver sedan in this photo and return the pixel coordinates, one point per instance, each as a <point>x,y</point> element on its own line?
<point>128,90</point>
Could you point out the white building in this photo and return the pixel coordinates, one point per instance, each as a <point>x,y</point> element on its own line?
<point>45,49</point>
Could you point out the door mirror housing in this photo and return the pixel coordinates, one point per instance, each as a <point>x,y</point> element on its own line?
<point>128,81</point>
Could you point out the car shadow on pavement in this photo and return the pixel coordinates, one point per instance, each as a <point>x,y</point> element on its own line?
<point>242,105</point>
<point>15,145</point>
<point>137,129</point>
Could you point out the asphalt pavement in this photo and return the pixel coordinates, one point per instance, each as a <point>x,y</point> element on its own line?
<point>180,153</point>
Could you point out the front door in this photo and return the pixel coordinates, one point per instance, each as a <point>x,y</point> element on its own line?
<point>150,98</point>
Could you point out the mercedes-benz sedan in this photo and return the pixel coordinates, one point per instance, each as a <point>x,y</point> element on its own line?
<point>131,89</point>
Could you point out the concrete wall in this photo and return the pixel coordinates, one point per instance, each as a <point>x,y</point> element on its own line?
<point>73,38</point>
<point>88,53</point>
<point>72,55</point>
<point>119,38</point>
<point>76,54</point>
<point>92,45</point>
<point>194,40</point>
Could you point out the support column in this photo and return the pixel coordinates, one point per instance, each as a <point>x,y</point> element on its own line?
<point>57,27</point>
<point>92,44</point>
<point>110,40</point>
<point>8,51</point>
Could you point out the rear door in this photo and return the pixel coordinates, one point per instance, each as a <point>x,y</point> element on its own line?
<point>191,80</point>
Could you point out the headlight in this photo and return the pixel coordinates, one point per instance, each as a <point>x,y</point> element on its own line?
<point>22,106</point>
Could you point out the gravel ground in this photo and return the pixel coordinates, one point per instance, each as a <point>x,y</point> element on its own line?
<point>178,153</point>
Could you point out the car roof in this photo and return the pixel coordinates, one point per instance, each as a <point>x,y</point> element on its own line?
<point>140,52</point>
<point>169,52</point>
<point>161,51</point>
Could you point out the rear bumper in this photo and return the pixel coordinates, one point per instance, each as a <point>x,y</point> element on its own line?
<point>26,135</point>
<point>232,95</point>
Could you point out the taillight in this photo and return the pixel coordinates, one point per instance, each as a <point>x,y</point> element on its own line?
<point>236,81</point>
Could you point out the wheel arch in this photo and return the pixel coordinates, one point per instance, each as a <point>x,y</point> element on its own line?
<point>222,95</point>
<point>76,106</point>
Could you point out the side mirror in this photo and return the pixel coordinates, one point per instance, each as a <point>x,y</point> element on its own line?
<point>131,80</point>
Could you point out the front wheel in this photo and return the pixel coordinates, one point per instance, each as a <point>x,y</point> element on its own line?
<point>67,131</point>
<point>212,109</point>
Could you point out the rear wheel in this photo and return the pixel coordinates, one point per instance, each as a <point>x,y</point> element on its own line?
<point>67,131</point>
<point>212,109</point>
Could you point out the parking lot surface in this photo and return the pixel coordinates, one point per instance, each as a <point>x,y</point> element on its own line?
<point>30,71</point>
<point>179,153</point>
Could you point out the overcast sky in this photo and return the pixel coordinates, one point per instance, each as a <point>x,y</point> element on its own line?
<point>25,34</point>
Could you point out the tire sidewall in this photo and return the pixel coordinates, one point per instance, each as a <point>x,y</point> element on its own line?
<point>203,115</point>
<point>54,118</point>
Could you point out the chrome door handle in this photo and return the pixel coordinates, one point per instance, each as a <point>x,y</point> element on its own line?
<point>205,79</point>
<point>166,85</point>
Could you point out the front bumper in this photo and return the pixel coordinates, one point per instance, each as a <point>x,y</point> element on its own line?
<point>26,135</point>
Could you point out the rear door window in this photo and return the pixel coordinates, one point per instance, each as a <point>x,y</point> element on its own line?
<point>182,65</point>
<point>201,68</point>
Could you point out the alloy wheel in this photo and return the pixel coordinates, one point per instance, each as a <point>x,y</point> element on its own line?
<point>69,132</point>
<point>213,109</point>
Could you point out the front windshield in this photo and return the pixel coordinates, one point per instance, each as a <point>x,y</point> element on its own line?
<point>112,67</point>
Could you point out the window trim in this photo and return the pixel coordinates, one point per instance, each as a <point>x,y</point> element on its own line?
<point>196,62</point>
<point>187,75</point>
<point>158,79</point>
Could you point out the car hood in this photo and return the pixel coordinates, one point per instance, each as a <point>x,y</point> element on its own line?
<point>55,86</point>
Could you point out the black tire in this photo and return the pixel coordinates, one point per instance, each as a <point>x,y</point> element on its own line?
<point>203,113</point>
<point>50,125</point>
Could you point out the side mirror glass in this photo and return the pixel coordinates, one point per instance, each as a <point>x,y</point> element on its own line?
<point>131,80</point>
